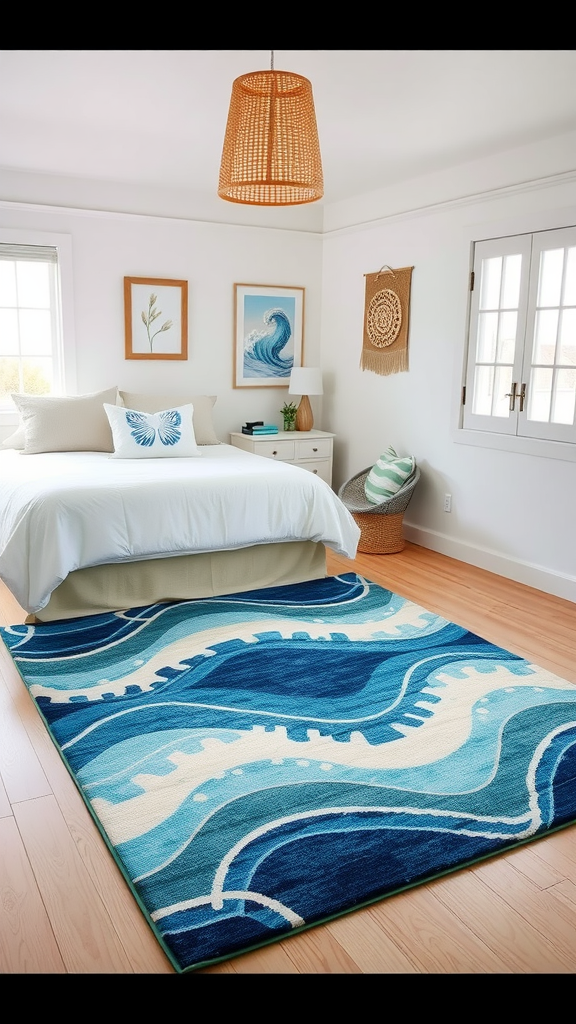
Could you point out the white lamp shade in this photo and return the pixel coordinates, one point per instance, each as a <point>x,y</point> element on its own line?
<point>306,380</point>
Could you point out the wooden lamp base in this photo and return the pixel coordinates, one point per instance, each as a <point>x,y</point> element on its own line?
<point>304,416</point>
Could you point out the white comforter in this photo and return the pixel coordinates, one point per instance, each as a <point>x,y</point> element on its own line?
<point>65,511</point>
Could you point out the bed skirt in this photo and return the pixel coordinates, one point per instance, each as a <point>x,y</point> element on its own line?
<point>105,588</point>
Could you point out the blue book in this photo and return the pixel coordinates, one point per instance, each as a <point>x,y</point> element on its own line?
<point>260,430</point>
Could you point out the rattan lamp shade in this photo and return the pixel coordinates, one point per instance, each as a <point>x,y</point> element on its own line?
<point>271,152</point>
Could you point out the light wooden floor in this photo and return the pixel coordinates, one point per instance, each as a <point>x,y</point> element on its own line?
<point>65,909</point>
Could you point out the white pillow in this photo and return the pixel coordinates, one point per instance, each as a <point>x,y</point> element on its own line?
<point>16,440</point>
<point>75,423</point>
<point>167,434</point>
<point>203,405</point>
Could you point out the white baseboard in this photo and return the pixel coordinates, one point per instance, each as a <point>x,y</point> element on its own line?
<point>557,583</point>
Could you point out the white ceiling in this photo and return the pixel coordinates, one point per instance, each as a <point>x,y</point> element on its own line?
<point>157,117</point>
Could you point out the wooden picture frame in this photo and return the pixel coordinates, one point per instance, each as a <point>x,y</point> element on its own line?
<point>268,334</point>
<point>155,318</point>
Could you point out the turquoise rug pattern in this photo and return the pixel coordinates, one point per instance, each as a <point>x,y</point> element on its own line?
<point>263,762</point>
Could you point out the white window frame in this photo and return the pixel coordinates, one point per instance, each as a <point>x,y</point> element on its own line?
<point>541,241</point>
<point>486,431</point>
<point>65,381</point>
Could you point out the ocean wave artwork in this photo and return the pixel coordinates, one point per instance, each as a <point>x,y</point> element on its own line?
<point>263,762</point>
<point>267,349</point>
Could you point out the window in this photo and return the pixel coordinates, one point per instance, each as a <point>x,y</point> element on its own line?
<point>37,347</point>
<point>521,364</point>
<point>30,322</point>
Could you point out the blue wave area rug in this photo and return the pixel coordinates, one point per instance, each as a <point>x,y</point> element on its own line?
<point>264,762</point>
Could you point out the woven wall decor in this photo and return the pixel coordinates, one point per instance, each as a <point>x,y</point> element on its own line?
<point>386,316</point>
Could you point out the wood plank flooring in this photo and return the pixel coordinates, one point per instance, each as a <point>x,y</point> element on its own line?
<point>65,908</point>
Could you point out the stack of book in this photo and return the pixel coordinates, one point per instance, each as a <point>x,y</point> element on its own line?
<point>259,427</point>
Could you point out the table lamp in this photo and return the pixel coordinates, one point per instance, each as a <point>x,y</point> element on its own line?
<point>304,381</point>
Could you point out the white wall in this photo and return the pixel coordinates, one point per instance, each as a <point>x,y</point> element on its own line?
<point>106,247</point>
<point>512,513</point>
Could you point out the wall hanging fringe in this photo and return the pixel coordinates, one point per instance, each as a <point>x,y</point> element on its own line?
<point>386,319</point>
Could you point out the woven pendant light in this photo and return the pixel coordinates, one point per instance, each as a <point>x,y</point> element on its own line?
<point>271,153</point>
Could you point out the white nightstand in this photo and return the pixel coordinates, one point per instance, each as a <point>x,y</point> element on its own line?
<point>310,449</point>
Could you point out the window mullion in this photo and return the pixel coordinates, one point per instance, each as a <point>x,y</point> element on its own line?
<point>523,348</point>
<point>55,325</point>
<point>494,403</point>
<point>18,329</point>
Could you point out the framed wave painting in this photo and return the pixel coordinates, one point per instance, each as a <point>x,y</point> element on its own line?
<point>269,334</point>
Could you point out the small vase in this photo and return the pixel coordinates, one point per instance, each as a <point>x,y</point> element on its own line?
<point>289,424</point>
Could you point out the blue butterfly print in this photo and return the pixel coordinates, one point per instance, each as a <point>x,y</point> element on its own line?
<point>144,433</point>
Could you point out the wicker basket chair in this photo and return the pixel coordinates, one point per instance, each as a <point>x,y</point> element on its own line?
<point>380,525</point>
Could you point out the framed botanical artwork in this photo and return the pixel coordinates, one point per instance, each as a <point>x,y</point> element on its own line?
<point>156,318</point>
<point>268,336</point>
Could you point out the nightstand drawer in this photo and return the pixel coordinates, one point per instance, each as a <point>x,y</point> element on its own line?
<point>312,452</point>
<point>281,450</point>
<point>314,448</point>
<point>322,468</point>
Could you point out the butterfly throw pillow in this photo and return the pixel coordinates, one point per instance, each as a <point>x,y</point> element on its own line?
<point>152,435</point>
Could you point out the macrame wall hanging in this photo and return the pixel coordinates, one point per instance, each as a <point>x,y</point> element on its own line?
<point>386,316</point>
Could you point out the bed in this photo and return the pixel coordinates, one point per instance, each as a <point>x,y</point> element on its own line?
<point>83,532</point>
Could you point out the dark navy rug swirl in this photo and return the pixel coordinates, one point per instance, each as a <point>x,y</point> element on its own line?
<point>260,763</point>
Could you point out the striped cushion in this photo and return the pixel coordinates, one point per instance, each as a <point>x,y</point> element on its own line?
<point>388,475</point>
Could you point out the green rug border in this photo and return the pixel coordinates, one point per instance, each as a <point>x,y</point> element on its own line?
<point>287,935</point>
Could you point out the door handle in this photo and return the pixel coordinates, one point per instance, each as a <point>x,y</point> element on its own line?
<point>512,396</point>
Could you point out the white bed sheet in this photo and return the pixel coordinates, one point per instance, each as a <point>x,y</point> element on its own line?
<point>62,511</point>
